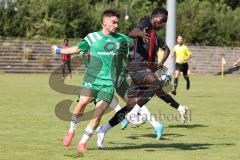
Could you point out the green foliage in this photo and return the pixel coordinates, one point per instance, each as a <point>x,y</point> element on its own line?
<point>207,23</point>
<point>212,22</point>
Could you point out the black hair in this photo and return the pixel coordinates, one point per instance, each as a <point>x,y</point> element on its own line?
<point>159,11</point>
<point>109,13</point>
<point>180,35</point>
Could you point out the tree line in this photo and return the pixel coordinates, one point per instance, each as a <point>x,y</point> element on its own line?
<point>202,22</point>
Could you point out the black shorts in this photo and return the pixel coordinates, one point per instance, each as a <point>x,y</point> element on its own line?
<point>138,76</point>
<point>122,90</point>
<point>182,68</point>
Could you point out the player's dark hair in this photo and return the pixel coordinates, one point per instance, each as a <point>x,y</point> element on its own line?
<point>109,13</point>
<point>159,11</point>
<point>180,35</point>
<point>65,39</point>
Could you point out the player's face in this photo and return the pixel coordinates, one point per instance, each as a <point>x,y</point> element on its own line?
<point>110,24</point>
<point>159,21</point>
<point>180,40</point>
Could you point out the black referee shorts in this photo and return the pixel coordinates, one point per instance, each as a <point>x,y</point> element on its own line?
<point>182,68</point>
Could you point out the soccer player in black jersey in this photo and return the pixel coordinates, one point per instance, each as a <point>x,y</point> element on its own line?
<point>142,68</point>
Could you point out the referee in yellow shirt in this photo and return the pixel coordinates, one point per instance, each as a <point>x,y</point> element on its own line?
<point>182,56</point>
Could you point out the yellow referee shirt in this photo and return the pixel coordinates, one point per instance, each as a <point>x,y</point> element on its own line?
<point>182,53</point>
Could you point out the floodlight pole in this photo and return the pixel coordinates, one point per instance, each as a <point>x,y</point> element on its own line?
<point>171,33</point>
<point>126,13</point>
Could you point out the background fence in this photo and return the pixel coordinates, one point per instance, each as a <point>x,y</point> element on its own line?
<point>36,57</point>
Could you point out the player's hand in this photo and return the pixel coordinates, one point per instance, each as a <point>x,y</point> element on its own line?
<point>160,64</point>
<point>145,36</point>
<point>235,64</point>
<point>53,48</point>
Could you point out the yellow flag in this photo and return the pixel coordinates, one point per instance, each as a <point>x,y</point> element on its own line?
<point>223,61</point>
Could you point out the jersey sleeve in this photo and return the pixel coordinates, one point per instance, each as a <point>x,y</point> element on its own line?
<point>188,53</point>
<point>144,23</point>
<point>174,49</point>
<point>84,46</point>
<point>126,38</point>
<point>126,45</point>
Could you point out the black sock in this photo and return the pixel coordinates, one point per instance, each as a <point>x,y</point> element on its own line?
<point>186,78</point>
<point>188,81</point>
<point>168,99</point>
<point>175,85</point>
<point>120,115</point>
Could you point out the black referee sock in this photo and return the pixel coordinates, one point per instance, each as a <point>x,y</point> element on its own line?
<point>120,115</point>
<point>168,99</point>
<point>186,78</point>
<point>175,85</point>
<point>188,81</point>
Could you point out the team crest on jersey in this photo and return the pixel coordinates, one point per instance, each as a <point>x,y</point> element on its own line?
<point>110,46</point>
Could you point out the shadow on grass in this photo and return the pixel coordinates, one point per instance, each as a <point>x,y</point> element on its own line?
<point>73,154</point>
<point>121,143</point>
<point>178,146</point>
<point>150,147</point>
<point>187,126</point>
<point>202,96</point>
<point>165,136</point>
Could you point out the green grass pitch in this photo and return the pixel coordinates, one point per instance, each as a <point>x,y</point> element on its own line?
<point>30,130</point>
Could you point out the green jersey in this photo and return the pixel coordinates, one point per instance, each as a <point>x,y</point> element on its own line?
<point>108,53</point>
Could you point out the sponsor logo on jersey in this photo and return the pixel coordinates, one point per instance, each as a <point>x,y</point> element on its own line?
<point>106,53</point>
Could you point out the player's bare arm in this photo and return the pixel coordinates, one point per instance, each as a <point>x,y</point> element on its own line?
<point>237,62</point>
<point>136,32</point>
<point>70,50</point>
<point>189,57</point>
<point>165,56</point>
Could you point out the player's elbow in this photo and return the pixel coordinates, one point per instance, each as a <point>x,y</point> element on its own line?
<point>134,33</point>
<point>190,56</point>
<point>131,34</point>
<point>75,50</point>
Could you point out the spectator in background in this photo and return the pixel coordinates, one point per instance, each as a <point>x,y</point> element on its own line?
<point>182,56</point>
<point>66,61</point>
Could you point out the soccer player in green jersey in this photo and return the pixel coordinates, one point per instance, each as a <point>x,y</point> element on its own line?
<point>108,50</point>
